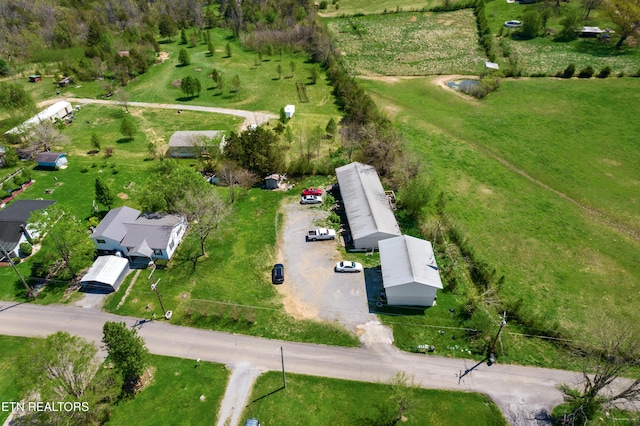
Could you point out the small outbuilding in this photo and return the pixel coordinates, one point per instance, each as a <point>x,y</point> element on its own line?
<point>105,275</point>
<point>289,110</point>
<point>189,144</point>
<point>273,181</point>
<point>410,274</point>
<point>60,110</point>
<point>35,78</point>
<point>53,160</point>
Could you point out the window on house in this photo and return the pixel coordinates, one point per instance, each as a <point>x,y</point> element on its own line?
<point>157,252</point>
<point>171,244</point>
<point>100,241</point>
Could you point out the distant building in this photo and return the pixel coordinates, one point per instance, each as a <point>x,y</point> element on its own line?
<point>273,181</point>
<point>57,160</point>
<point>289,110</point>
<point>190,144</point>
<point>35,78</point>
<point>59,110</point>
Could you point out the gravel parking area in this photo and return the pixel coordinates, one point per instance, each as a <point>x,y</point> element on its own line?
<point>312,289</point>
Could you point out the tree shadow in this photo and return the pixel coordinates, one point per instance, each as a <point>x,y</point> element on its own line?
<point>124,140</point>
<point>181,65</point>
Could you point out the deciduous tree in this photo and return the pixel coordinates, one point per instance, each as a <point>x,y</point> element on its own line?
<point>126,350</point>
<point>103,194</point>
<point>128,127</point>
<point>626,15</point>
<point>167,27</point>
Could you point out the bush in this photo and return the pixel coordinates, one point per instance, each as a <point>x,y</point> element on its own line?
<point>26,249</point>
<point>604,72</point>
<point>84,170</point>
<point>569,71</point>
<point>586,72</point>
<point>323,5</point>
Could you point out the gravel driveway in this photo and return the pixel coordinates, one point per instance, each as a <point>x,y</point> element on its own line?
<point>312,289</point>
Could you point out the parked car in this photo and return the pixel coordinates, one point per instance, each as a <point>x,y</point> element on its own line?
<point>348,266</point>
<point>312,191</point>
<point>252,422</point>
<point>311,199</point>
<point>321,234</point>
<point>277,273</point>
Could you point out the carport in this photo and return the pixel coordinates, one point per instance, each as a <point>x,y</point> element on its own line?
<point>105,275</point>
<point>410,274</point>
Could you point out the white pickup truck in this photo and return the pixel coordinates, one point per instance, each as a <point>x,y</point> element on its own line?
<point>321,234</point>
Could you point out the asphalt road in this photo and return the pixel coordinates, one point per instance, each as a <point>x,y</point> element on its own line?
<point>522,393</point>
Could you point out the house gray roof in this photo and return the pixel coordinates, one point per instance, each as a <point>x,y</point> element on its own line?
<point>113,224</point>
<point>365,201</point>
<point>150,231</point>
<point>14,217</point>
<point>49,157</point>
<point>406,260</point>
<point>188,138</point>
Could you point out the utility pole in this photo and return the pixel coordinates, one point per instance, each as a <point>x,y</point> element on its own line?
<point>27,286</point>
<point>490,357</point>
<point>154,287</point>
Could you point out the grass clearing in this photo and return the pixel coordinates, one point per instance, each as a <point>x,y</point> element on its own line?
<point>174,395</point>
<point>564,265</point>
<point>409,43</point>
<point>10,367</point>
<point>320,401</point>
<point>358,7</point>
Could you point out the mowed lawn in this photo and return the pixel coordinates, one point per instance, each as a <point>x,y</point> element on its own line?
<point>420,43</point>
<point>316,401</point>
<point>566,236</point>
<point>10,367</point>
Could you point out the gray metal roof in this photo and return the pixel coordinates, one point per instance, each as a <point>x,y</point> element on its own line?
<point>49,157</point>
<point>190,137</point>
<point>365,202</point>
<point>154,230</point>
<point>407,260</point>
<point>113,224</point>
<point>106,270</point>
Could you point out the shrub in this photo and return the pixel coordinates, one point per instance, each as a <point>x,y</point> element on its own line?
<point>604,72</point>
<point>586,72</point>
<point>26,249</point>
<point>323,5</point>
<point>569,71</point>
<point>84,170</point>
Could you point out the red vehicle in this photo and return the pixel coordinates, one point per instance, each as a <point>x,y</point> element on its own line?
<point>312,191</point>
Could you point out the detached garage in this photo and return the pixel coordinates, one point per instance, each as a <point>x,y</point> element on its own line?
<point>410,274</point>
<point>369,212</point>
<point>105,275</point>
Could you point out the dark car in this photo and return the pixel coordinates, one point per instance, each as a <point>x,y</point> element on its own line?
<point>277,273</point>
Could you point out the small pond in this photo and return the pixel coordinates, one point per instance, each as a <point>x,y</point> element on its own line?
<point>462,85</point>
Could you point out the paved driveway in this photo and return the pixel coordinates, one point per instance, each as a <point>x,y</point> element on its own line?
<point>312,289</point>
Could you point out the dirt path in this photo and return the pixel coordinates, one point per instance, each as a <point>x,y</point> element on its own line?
<point>250,117</point>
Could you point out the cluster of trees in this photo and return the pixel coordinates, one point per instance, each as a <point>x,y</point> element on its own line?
<point>66,368</point>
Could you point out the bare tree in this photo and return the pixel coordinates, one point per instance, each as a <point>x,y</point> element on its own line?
<point>204,209</point>
<point>123,100</point>
<point>614,357</point>
<point>234,175</point>
<point>45,135</point>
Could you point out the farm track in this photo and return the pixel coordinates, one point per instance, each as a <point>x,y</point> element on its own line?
<point>250,117</point>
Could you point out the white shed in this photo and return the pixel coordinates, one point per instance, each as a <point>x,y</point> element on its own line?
<point>410,274</point>
<point>369,212</point>
<point>289,110</point>
<point>106,274</point>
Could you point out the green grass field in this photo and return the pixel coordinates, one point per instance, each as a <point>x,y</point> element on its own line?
<point>566,264</point>
<point>318,401</point>
<point>409,43</point>
<point>352,7</point>
<point>9,365</point>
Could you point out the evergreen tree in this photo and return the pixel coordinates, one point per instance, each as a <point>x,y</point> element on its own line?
<point>103,193</point>
<point>184,58</point>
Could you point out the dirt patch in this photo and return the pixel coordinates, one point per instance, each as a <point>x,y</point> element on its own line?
<point>123,196</point>
<point>442,81</point>
<point>413,19</point>
<point>146,379</point>
<point>176,83</point>
<point>163,56</point>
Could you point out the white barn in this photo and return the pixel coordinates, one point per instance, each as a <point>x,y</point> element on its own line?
<point>410,274</point>
<point>105,275</point>
<point>369,212</point>
<point>59,110</point>
<point>289,110</point>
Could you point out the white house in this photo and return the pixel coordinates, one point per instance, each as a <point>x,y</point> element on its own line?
<point>59,110</point>
<point>139,237</point>
<point>369,212</point>
<point>410,273</point>
<point>105,275</point>
<point>289,110</point>
<point>188,144</point>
